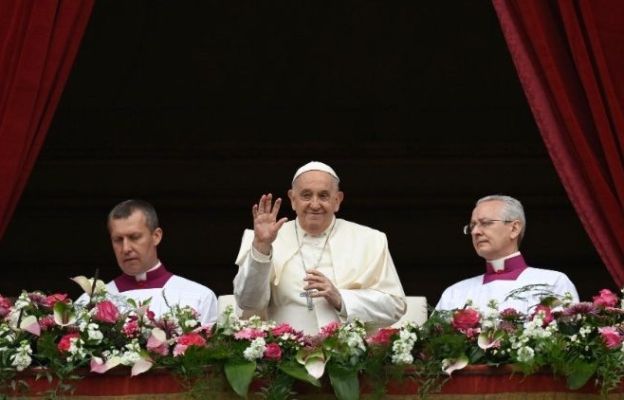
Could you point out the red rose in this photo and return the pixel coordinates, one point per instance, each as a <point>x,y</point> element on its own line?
<point>106,311</point>
<point>466,319</point>
<point>273,352</point>
<point>65,343</point>
<point>606,298</point>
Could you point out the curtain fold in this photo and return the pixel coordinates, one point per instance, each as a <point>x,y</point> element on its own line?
<point>569,59</point>
<point>39,40</point>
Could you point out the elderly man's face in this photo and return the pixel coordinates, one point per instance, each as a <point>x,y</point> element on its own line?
<point>133,243</point>
<point>492,237</point>
<point>315,198</point>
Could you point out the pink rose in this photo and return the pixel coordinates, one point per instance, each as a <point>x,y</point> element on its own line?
<point>273,352</point>
<point>65,343</point>
<point>106,311</point>
<point>610,336</point>
<point>5,307</point>
<point>187,340</point>
<point>465,320</point>
<point>382,336</point>
<point>547,313</point>
<point>606,298</point>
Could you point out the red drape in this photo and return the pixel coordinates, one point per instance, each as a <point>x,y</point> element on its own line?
<point>569,55</point>
<point>39,40</point>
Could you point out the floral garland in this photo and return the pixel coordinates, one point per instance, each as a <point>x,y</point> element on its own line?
<point>578,341</point>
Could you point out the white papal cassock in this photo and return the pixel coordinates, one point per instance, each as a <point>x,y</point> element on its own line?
<point>354,257</point>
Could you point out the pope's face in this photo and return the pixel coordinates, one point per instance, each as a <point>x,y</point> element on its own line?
<point>492,237</point>
<point>133,243</point>
<point>315,198</point>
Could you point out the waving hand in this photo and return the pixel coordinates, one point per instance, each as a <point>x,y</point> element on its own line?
<point>266,224</point>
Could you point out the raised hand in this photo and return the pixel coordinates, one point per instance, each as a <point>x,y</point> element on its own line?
<point>266,224</point>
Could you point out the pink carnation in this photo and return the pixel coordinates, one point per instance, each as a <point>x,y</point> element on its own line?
<point>131,329</point>
<point>330,328</point>
<point>605,298</point>
<point>5,306</point>
<point>273,352</point>
<point>510,314</point>
<point>46,322</point>
<point>52,299</point>
<point>610,336</point>
<point>249,334</point>
<point>282,329</point>
<point>106,311</point>
<point>465,320</point>
<point>65,343</point>
<point>545,310</point>
<point>382,336</point>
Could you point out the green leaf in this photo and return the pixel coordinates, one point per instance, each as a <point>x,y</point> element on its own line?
<point>239,375</point>
<point>297,371</point>
<point>580,373</point>
<point>345,382</point>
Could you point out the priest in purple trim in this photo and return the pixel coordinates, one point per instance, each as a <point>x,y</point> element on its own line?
<point>497,227</point>
<point>135,235</point>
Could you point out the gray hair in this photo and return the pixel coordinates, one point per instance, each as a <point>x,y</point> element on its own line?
<point>124,209</point>
<point>512,210</point>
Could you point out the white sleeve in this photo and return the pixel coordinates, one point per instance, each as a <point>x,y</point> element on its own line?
<point>208,308</point>
<point>370,305</point>
<point>564,285</point>
<point>252,289</point>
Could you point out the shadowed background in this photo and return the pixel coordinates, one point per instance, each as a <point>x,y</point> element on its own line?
<point>200,107</point>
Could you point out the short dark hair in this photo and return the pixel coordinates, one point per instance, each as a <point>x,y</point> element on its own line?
<point>126,208</point>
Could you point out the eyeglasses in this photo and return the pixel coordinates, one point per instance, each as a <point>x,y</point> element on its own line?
<point>483,223</point>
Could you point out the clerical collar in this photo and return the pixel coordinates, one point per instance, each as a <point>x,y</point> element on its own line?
<point>301,233</point>
<point>154,278</point>
<point>507,268</point>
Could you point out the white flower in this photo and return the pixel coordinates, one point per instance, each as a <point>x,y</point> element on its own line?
<point>255,350</point>
<point>191,323</point>
<point>21,359</point>
<point>95,336</point>
<point>22,301</point>
<point>402,347</point>
<point>525,354</point>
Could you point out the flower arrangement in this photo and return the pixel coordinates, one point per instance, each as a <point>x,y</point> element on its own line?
<point>59,337</point>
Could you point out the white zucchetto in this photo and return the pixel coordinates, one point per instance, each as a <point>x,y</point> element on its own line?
<point>315,166</point>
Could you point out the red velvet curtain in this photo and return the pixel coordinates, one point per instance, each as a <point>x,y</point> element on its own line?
<point>39,40</point>
<point>569,55</point>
